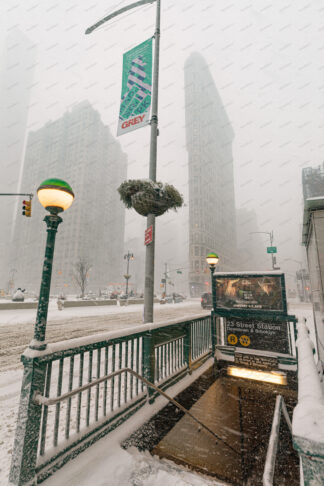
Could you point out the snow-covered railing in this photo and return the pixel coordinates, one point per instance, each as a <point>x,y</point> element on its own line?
<point>269,468</point>
<point>47,436</point>
<point>308,417</point>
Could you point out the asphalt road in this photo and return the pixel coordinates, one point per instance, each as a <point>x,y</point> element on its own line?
<point>15,337</point>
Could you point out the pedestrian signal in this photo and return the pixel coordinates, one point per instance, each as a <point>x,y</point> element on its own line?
<point>26,208</point>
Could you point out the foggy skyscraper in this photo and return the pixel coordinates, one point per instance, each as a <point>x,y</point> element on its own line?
<point>80,149</point>
<point>16,77</point>
<point>209,138</point>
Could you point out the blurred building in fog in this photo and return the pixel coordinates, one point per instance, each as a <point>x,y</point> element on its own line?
<point>80,149</point>
<point>251,246</point>
<point>313,239</point>
<point>17,61</point>
<point>209,139</point>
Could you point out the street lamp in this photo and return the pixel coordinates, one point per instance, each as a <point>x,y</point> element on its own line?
<point>128,257</point>
<point>212,260</point>
<point>55,196</point>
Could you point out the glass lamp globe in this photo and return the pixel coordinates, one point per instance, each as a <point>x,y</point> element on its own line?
<point>212,259</point>
<point>55,195</point>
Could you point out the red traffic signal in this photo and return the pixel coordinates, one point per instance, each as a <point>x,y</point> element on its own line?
<point>26,209</point>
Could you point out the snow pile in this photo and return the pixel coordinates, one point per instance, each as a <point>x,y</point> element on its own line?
<point>10,383</point>
<point>308,418</point>
<point>122,468</point>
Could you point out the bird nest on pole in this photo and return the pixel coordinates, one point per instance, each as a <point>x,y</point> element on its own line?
<point>148,197</point>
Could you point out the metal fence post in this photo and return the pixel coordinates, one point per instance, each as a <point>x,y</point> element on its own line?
<point>148,362</point>
<point>187,346</point>
<point>24,457</point>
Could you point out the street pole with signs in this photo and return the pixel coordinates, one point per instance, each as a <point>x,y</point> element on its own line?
<point>150,248</point>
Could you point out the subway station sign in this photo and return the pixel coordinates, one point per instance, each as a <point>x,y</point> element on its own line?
<point>264,335</point>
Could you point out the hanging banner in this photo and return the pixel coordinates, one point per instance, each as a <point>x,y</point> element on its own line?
<point>136,92</point>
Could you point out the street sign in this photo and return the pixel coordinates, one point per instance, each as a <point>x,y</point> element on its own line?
<point>148,238</point>
<point>271,249</point>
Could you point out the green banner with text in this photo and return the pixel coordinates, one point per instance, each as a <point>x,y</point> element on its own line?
<point>136,92</point>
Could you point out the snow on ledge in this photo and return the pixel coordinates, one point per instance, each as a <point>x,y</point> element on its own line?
<point>308,417</point>
<point>106,336</point>
<point>256,272</point>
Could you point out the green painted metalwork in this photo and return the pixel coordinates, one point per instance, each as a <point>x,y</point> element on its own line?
<point>78,418</point>
<point>58,406</point>
<point>148,359</point>
<point>163,355</point>
<point>106,383</point>
<point>52,222</point>
<point>24,457</point>
<point>56,184</point>
<point>186,346</point>
<point>45,411</point>
<point>68,412</point>
<point>89,391</point>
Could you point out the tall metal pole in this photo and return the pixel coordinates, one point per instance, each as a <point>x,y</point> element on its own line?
<point>149,259</point>
<point>150,248</point>
<point>52,222</point>
<point>127,271</point>
<point>165,278</point>
<point>271,241</point>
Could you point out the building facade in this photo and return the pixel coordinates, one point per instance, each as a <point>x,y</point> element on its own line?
<point>80,149</point>
<point>209,139</point>
<point>313,239</point>
<point>18,57</point>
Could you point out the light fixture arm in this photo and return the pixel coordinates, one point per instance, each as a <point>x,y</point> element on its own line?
<point>117,12</point>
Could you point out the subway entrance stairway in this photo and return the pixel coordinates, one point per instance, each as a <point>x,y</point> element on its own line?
<point>240,413</point>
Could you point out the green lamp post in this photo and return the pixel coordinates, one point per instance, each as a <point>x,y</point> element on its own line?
<point>212,260</point>
<point>56,196</point>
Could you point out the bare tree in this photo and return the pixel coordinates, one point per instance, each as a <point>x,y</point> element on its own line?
<point>81,274</point>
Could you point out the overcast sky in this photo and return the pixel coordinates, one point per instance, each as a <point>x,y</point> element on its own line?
<point>267,60</point>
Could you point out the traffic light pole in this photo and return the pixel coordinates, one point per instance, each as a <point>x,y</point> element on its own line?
<point>17,194</point>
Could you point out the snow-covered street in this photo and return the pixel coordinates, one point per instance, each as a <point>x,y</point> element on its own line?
<point>113,465</point>
<point>17,326</point>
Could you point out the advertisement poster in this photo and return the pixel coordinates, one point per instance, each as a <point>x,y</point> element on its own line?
<point>250,292</point>
<point>136,92</point>
<point>257,334</point>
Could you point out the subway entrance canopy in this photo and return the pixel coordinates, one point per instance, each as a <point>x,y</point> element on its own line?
<point>255,330</point>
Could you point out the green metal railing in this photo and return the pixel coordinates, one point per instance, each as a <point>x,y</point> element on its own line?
<point>269,468</point>
<point>47,435</point>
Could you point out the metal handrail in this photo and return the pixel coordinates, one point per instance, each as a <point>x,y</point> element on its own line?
<point>39,399</point>
<point>269,467</point>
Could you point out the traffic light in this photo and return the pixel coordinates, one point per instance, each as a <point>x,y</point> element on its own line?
<point>26,208</point>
